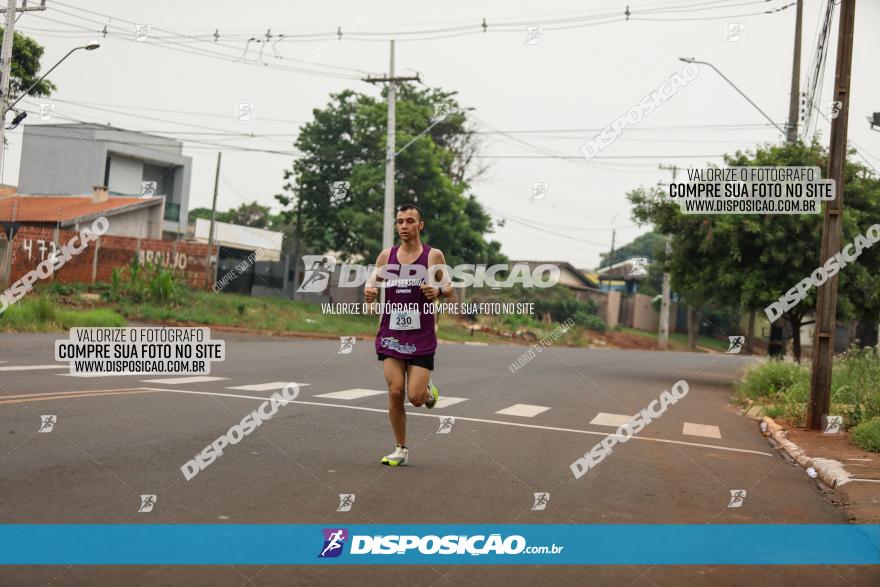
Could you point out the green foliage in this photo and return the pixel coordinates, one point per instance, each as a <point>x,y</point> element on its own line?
<point>44,309</point>
<point>748,261</point>
<point>346,142</point>
<point>770,378</point>
<point>43,314</point>
<point>589,321</point>
<point>649,245</point>
<point>247,214</point>
<point>855,387</point>
<point>867,435</point>
<point>151,282</point>
<point>26,55</point>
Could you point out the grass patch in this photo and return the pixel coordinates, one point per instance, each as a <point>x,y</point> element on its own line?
<point>867,435</point>
<point>42,313</point>
<point>785,388</point>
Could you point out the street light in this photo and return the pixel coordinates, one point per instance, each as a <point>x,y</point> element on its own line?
<point>693,60</point>
<point>90,47</point>
<point>4,108</point>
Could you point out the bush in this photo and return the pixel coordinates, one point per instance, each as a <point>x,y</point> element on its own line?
<point>141,283</point>
<point>867,435</point>
<point>855,387</point>
<point>589,321</point>
<point>771,378</point>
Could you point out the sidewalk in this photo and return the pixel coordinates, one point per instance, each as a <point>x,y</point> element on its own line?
<point>859,495</point>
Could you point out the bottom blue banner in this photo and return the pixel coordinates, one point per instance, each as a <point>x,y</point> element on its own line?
<point>221,544</point>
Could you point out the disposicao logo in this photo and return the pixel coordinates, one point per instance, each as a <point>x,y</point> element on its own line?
<point>334,541</point>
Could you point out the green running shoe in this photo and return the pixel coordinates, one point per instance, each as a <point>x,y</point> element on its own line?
<point>397,458</point>
<point>434,395</point>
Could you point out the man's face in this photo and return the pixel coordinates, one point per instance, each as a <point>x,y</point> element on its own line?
<point>409,225</point>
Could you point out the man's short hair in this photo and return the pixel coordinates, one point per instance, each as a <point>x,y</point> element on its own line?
<point>406,207</point>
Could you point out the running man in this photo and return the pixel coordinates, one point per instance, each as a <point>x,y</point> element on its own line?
<point>406,340</point>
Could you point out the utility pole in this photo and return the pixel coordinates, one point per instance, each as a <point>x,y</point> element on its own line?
<point>663,332</point>
<point>6,66</point>
<point>388,220</point>
<point>791,131</point>
<point>826,303</point>
<point>611,256</point>
<point>211,230</point>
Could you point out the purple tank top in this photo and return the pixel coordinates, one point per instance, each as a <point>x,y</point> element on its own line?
<point>409,332</point>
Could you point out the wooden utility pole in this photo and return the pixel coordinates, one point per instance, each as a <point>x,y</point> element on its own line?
<point>826,304</point>
<point>791,131</point>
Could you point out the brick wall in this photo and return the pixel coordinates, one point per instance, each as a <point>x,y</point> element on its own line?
<point>32,245</point>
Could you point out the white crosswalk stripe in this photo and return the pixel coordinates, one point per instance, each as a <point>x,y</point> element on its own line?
<point>350,394</point>
<point>184,380</point>
<point>267,386</point>
<point>446,401</point>
<point>606,419</point>
<point>705,430</point>
<point>523,410</point>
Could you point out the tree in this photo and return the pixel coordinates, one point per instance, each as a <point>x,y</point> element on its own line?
<point>26,55</point>
<point>749,261</point>
<point>344,146</point>
<point>648,245</point>
<point>252,214</point>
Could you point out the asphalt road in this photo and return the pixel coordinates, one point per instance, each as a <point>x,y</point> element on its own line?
<point>116,438</point>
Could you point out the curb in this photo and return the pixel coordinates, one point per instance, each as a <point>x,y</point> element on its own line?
<point>831,472</point>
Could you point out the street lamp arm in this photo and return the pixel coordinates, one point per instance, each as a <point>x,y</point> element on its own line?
<point>51,69</point>
<point>741,93</point>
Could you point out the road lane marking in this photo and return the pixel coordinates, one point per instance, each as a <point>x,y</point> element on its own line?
<point>266,386</point>
<point>523,410</point>
<point>33,367</point>
<point>62,393</point>
<point>614,420</point>
<point>704,430</point>
<point>350,394</point>
<point>74,395</point>
<point>447,400</point>
<point>481,420</point>
<point>183,380</point>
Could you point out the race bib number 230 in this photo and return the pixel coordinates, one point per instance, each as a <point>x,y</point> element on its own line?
<point>404,320</point>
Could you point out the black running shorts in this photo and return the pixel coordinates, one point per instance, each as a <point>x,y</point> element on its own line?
<point>424,361</point>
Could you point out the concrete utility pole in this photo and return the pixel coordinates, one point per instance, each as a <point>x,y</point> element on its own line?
<point>6,65</point>
<point>211,230</point>
<point>826,304</point>
<point>663,333</point>
<point>791,131</point>
<point>388,218</point>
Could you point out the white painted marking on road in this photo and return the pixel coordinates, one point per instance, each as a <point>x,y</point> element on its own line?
<point>184,380</point>
<point>349,394</point>
<point>266,386</point>
<point>33,367</point>
<point>420,414</point>
<point>605,419</point>
<point>523,410</point>
<point>705,430</point>
<point>445,401</point>
<point>476,343</point>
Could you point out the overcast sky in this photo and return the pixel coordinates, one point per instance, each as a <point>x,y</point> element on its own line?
<point>575,77</point>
